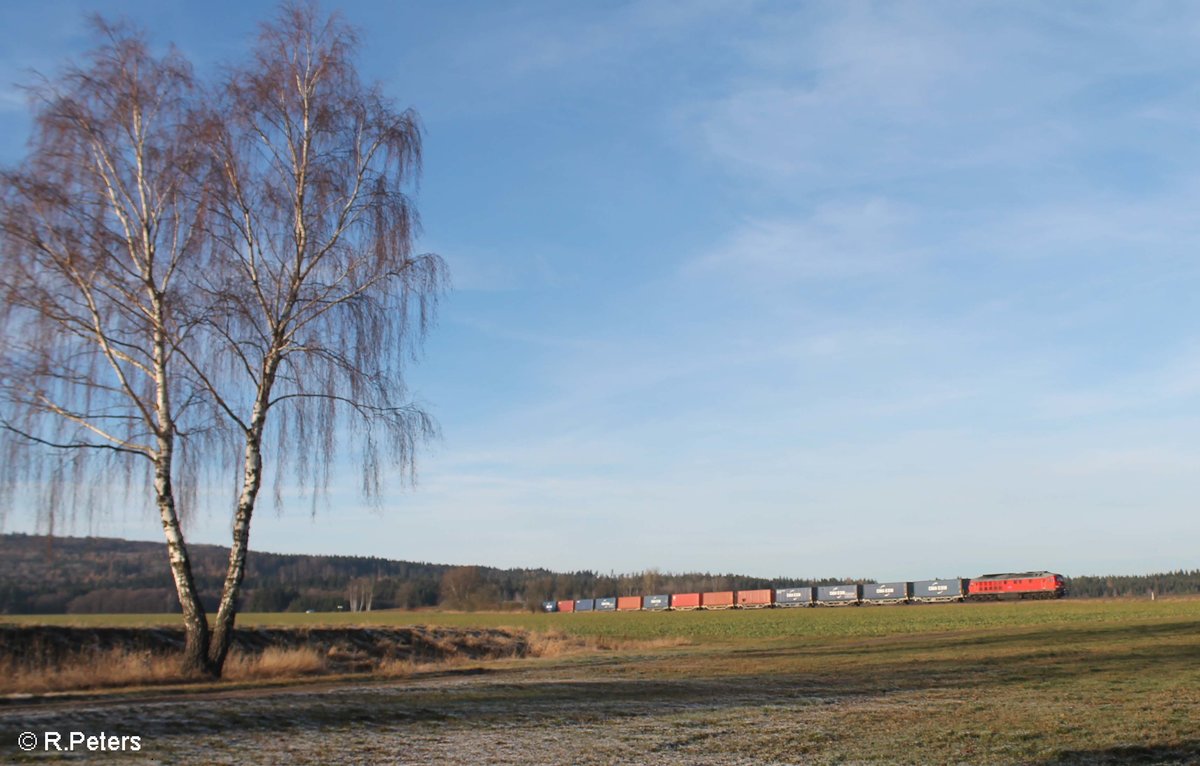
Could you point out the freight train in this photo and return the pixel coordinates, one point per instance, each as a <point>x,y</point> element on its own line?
<point>989,587</point>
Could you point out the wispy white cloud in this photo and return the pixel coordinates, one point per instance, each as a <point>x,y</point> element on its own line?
<point>1094,225</point>
<point>871,94</point>
<point>491,271</point>
<point>858,98</point>
<point>836,240</point>
<point>510,57</point>
<point>13,99</point>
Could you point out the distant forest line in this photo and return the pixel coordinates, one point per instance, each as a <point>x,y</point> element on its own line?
<point>88,575</point>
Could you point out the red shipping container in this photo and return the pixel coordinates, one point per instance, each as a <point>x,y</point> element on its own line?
<point>685,601</point>
<point>566,606</point>
<point>628,603</point>
<point>722,599</point>
<point>754,598</point>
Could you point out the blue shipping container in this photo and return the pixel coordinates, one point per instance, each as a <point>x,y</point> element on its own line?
<point>886,592</point>
<point>938,590</point>
<point>585,604</point>
<point>838,594</point>
<point>606,604</point>
<point>656,602</point>
<point>793,596</point>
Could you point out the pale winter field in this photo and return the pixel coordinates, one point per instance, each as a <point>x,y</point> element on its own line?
<point>1073,682</point>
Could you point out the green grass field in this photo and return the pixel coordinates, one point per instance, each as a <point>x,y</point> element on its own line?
<point>1066,682</point>
<point>720,626</point>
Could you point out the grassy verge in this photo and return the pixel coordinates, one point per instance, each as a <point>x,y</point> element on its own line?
<point>44,659</point>
<point>121,668</point>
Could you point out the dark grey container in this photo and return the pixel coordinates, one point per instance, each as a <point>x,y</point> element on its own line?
<point>793,596</point>
<point>606,604</point>
<point>656,602</point>
<point>887,592</point>
<point>585,605</point>
<point>550,606</point>
<point>836,595</point>
<point>939,590</point>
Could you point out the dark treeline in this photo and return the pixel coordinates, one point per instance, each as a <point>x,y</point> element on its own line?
<point>1178,583</point>
<point>76,575</point>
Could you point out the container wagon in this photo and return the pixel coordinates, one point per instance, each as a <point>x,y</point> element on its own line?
<point>839,595</point>
<point>585,604</point>
<point>721,599</point>
<point>753,599</point>
<point>887,593</point>
<point>930,591</point>
<point>566,606</point>
<point>791,597</point>
<point>629,603</point>
<point>606,605</point>
<point>656,603</point>
<point>685,601</point>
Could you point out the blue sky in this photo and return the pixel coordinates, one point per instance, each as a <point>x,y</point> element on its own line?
<point>890,290</point>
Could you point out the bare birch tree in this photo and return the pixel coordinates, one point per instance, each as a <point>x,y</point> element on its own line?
<point>321,300</point>
<point>99,226</point>
<point>361,593</point>
<point>233,271</point>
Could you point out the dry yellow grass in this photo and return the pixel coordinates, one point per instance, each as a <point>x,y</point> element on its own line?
<point>274,663</point>
<point>125,668</point>
<point>50,659</point>
<point>398,667</point>
<point>89,670</point>
<point>557,643</point>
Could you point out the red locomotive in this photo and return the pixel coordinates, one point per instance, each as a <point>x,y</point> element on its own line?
<point>993,587</point>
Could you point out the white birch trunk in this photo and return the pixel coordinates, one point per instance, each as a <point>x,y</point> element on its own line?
<point>222,636</point>
<point>195,621</point>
